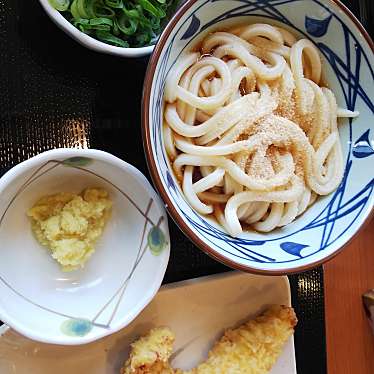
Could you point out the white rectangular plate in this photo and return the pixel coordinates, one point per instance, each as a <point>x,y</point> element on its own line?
<point>197,310</point>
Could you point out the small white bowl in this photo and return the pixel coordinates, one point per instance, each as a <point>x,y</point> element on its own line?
<point>88,41</point>
<point>39,300</point>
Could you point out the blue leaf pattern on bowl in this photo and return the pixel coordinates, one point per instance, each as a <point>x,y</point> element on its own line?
<point>192,28</point>
<point>362,147</point>
<point>170,180</point>
<point>293,248</point>
<point>317,27</point>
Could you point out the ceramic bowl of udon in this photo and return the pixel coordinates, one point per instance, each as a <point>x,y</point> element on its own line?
<point>347,58</point>
<point>46,304</point>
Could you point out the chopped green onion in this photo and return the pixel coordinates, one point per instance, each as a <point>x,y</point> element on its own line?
<point>127,25</point>
<point>101,21</point>
<point>104,11</point>
<point>74,10</point>
<point>107,37</point>
<point>118,4</point>
<point>60,5</point>
<point>147,5</point>
<point>116,30</point>
<point>86,8</point>
<point>85,25</point>
<point>122,23</point>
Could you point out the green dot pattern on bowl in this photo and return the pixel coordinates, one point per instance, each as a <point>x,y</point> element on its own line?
<point>76,327</point>
<point>77,161</point>
<point>156,240</point>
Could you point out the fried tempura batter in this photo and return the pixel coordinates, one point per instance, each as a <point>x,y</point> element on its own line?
<point>253,348</point>
<point>150,354</point>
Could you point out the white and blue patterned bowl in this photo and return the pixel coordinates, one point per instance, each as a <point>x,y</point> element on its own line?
<point>348,62</point>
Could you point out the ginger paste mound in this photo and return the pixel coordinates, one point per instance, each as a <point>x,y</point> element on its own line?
<point>70,224</point>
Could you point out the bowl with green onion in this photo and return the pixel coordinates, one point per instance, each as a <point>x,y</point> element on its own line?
<point>127,28</point>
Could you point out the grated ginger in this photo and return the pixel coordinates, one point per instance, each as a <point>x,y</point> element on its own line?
<point>70,224</point>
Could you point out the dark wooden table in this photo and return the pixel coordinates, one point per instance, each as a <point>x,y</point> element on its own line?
<point>55,93</point>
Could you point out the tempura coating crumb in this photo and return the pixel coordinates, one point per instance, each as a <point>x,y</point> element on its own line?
<point>150,354</point>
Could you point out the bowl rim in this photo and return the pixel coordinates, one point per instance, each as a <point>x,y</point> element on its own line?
<point>140,304</point>
<point>89,41</point>
<point>152,167</point>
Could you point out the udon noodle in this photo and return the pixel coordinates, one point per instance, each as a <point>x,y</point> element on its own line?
<point>251,133</point>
